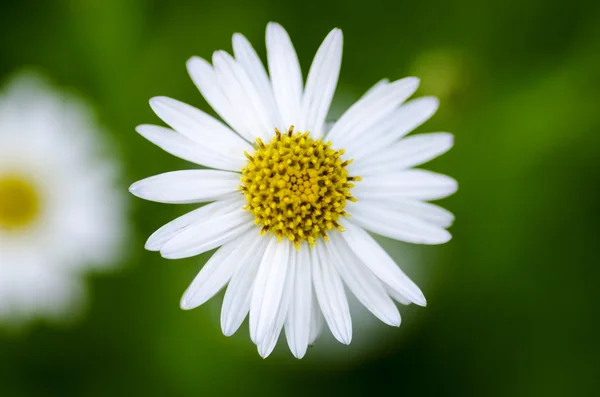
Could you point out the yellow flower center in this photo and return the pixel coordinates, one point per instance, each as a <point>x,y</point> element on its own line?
<point>19,202</point>
<point>297,187</point>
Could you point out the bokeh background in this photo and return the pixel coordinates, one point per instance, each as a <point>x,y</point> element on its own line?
<point>513,303</point>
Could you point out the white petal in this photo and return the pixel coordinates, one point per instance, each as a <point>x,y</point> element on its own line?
<point>412,114</point>
<point>297,326</point>
<point>376,87</point>
<point>398,297</point>
<point>202,129</point>
<point>180,146</point>
<point>395,224</point>
<point>249,60</point>
<point>286,77</point>
<point>321,82</point>
<point>408,152</point>
<point>217,271</point>
<point>428,212</point>
<point>205,78</point>
<point>270,340</point>
<point>236,302</point>
<point>375,90</point>
<point>316,321</point>
<point>413,183</point>
<point>204,236</point>
<point>188,186</point>
<point>266,347</point>
<point>362,282</point>
<point>330,294</point>
<point>268,288</point>
<point>380,263</point>
<point>167,232</point>
<point>243,96</point>
<point>370,110</point>
<point>402,121</point>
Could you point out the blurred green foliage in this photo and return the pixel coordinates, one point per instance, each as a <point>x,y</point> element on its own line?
<point>512,303</point>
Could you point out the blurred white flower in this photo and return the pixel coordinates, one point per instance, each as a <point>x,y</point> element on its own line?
<point>61,214</point>
<point>292,202</point>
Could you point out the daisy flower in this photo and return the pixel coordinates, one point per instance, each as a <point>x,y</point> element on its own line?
<point>61,214</point>
<point>291,201</point>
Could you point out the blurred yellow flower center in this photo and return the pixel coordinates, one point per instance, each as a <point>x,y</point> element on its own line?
<point>19,202</point>
<point>296,186</point>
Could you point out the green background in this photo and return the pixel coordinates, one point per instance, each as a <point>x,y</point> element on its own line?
<point>513,308</point>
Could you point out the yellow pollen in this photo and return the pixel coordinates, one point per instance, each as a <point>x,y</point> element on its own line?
<point>19,202</point>
<point>297,187</point>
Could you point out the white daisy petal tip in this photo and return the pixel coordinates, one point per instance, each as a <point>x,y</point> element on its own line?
<point>275,27</point>
<point>185,303</point>
<point>446,140</point>
<point>265,349</point>
<point>150,245</point>
<point>219,56</point>
<point>136,189</point>
<point>239,40</point>
<point>452,185</point>
<point>204,236</point>
<point>338,35</point>
<point>189,301</point>
<point>228,329</point>
<point>346,337</point>
<point>411,81</point>
<point>298,355</point>
<point>393,320</point>
<point>444,237</point>
<point>406,85</point>
<point>143,129</point>
<point>160,105</point>
<point>170,255</point>
<point>158,101</point>
<point>432,102</point>
<point>195,62</point>
<point>141,189</point>
<point>297,352</point>
<point>418,298</point>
